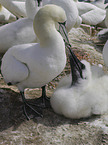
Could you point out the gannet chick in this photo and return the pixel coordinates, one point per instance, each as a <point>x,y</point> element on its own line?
<point>78,97</point>
<point>34,65</point>
<point>68,99</point>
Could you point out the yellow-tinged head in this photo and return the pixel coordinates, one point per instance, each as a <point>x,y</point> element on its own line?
<point>48,15</point>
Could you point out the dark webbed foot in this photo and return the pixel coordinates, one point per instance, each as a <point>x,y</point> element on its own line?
<point>43,101</point>
<point>35,110</point>
<point>31,110</point>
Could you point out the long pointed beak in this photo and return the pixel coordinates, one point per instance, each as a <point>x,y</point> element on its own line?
<point>74,61</point>
<point>63,32</point>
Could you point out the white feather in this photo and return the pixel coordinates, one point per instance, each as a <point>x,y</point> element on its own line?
<point>90,14</point>
<point>73,19</point>
<point>20,31</point>
<point>87,97</point>
<point>36,64</point>
<point>15,7</point>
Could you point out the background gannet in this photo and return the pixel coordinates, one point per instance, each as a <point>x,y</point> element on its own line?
<point>90,14</point>
<point>15,7</point>
<point>5,15</point>
<point>99,3</point>
<point>20,31</point>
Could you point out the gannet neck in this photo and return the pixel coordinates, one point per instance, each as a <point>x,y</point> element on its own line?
<point>47,34</point>
<point>31,8</point>
<point>46,19</point>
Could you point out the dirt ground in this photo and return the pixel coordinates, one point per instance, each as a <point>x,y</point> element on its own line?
<point>53,129</point>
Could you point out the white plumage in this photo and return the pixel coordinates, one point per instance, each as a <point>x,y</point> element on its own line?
<point>34,65</point>
<point>88,96</point>
<point>90,14</point>
<point>5,15</point>
<point>99,3</point>
<point>73,19</point>
<point>15,7</point>
<point>42,61</point>
<point>20,31</point>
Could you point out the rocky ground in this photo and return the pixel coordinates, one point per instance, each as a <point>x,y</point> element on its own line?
<point>52,128</point>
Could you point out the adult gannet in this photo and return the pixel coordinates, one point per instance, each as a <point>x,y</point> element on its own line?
<point>99,3</point>
<point>103,34</point>
<point>15,7</point>
<point>20,31</point>
<point>5,15</point>
<point>90,14</point>
<point>33,65</point>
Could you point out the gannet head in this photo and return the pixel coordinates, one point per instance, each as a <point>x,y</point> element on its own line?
<point>49,13</point>
<point>86,73</point>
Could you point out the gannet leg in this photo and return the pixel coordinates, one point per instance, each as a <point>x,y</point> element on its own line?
<point>43,101</point>
<point>29,105</point>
